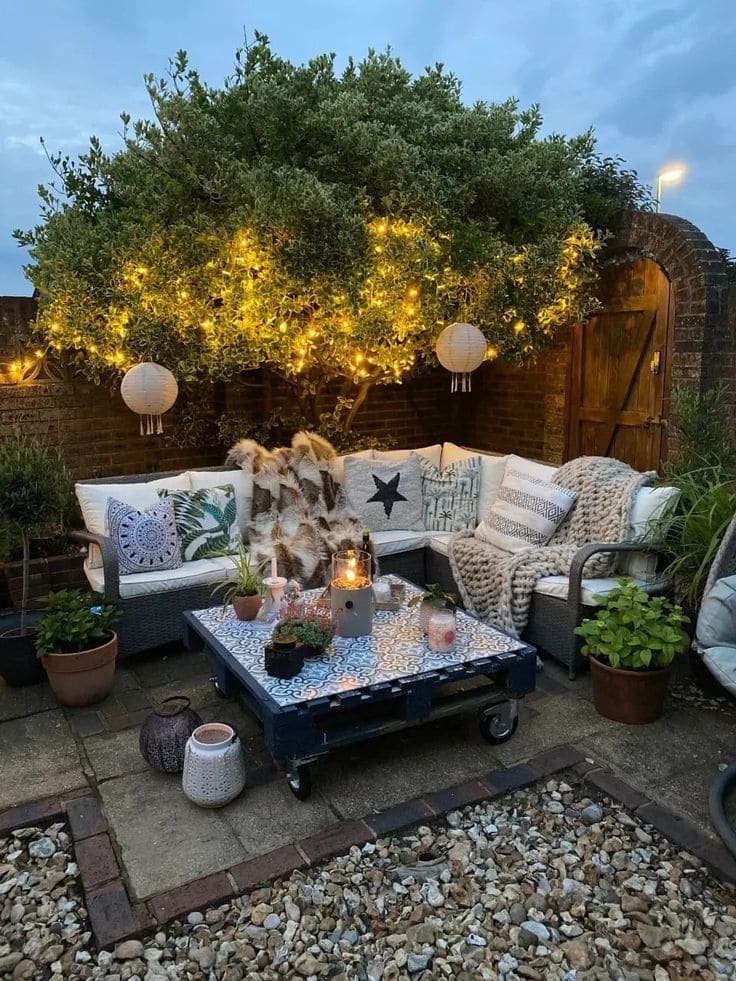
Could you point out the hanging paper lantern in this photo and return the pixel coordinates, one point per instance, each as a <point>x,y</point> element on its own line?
<point>150,390</point>
<point>461,348</point>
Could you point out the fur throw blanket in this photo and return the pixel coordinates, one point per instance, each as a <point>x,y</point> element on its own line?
<point>300,512</point>
<point>497,586</point>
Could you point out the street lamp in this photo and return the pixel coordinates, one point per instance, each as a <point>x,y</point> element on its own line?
<point>670,175</point>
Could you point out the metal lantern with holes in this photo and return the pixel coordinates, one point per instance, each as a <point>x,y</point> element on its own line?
<point>150,390</point>
<point>461,349</point>
<point>351,593</point>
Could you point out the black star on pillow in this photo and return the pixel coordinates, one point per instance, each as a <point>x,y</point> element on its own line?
<point>387,492</point>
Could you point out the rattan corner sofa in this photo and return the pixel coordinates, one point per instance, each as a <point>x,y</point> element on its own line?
<point>152,603</point>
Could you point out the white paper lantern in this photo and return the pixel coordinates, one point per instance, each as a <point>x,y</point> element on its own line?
<point>150,390</point>
<point>461,349</point>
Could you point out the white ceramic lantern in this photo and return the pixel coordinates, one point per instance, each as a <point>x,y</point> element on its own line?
<point>150,390</point>
<point>351,593</point>
<point>461,349</point>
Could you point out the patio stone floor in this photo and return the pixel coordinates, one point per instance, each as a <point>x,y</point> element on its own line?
<point>164,841</point>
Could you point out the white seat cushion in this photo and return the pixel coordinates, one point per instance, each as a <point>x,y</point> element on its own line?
<point>242,482</point>
<point>432,453</point>
<point>438,541</point>
<point>198,573</point>
<point>492,467</point>
<point>558,586</point>
<point>393,542</point>
<point>93,503</point>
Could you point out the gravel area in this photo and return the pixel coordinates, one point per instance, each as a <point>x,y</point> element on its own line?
<point>547,883</point>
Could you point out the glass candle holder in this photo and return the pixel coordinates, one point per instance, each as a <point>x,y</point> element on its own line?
<point>441,631</point>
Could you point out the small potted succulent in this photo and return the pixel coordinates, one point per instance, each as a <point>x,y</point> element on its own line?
<point>78,646</point>
<point>245,592</point>
<point>631,642</point>
<point>310,623</point>
<point>434,598</point>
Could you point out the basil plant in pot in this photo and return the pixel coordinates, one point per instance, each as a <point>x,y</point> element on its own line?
<point>35,491</point>
<point>245,590</point>
<point>631,641</point>
<point>78,646</point>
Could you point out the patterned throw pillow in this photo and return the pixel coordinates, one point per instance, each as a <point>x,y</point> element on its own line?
<point>526,513</point>
<point>386,496</point>
<point>146,541</point>
<point>450,496</point>
<point>206,521</point>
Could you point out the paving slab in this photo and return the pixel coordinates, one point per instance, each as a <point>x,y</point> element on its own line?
<point>17,702</point>
<point>175,665</point>
<point>557,719</point>
<point>269,816</point>
<point>39,758</point>
<point>392,769</point>
<point>164,839</point>
<point>197,688</point>
<point>114,754</point>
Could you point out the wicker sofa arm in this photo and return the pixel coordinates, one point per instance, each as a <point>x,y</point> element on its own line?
<point>110,564</point>
<point>581,558</point>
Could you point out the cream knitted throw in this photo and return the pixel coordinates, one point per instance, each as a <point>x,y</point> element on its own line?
<point>496,586</point>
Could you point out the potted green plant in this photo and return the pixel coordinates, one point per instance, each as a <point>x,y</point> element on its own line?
<point>310,623</point>
<point>35,490</point>
<point>245,591</point>
<point>78,646</point>
<point>631,642</point>
<point>434,598</point>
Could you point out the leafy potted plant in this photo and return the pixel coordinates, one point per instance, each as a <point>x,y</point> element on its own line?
<point>434,598</point>
<point>78,646</point>
<point>35,490</point>
<point>632,641</point>
<point>245,592</point>
<point>310,623</point>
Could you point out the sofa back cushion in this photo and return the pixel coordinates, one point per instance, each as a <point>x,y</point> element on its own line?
<point>386,496</point>
<point>146,541</point>
<point>650,503</point>
<point>450,495</point>
<point>93,503</point>
<point>432,453</point>
<point>492,466</point>
<point>338,464</point>
<point>241,481</point>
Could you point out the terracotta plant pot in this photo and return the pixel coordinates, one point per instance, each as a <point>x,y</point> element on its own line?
<point>634,697</point>
<point>85,677</point>
<point>246,607</point>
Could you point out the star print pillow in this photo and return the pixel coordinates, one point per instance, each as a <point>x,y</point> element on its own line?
<point>386,496</point>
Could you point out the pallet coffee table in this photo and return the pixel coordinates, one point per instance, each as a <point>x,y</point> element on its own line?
<point>366,686</point>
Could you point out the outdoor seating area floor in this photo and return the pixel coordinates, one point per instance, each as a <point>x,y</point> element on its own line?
<point>163,841</point>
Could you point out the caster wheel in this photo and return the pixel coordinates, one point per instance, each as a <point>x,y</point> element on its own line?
<point>218,691</point>
<point>299,780</point>
<point>495,727</point>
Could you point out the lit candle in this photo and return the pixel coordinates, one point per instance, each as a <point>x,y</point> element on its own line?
<point>274,568</point>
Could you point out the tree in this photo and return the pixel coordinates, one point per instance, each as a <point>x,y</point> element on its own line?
<point>325,225</point>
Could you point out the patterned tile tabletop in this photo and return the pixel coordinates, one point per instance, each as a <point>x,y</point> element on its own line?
<point>395,649</point>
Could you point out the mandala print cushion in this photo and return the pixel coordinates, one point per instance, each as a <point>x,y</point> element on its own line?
<point>206,521</point>
<point>526,513</point>
<point>387,496</point>
<point>146,541</point>
<point>450,496</point>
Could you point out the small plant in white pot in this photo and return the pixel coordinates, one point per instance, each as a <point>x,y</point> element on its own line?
<point>78,646</point>
<point>245,591</point>
<point>631,642</point>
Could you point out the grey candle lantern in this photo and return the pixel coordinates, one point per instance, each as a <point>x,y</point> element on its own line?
<point>351,593</point>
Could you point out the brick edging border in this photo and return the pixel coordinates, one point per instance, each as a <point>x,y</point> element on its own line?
<point>114,918</point>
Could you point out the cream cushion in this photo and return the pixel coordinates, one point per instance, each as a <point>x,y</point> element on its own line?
<point>93,503</point>
<point>649,504</point>
<point>432,453</point>
<point>198,573</point>
<point>558,587</point>
<point>338,464</point>
<point>492,467</point>
<point>242,482</point>
<point>393,542</point>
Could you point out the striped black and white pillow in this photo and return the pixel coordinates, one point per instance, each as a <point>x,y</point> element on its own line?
<point>526,513</point>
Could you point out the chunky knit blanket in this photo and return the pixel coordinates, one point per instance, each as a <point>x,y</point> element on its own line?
<point>497,586</point>
<point>299,511</point>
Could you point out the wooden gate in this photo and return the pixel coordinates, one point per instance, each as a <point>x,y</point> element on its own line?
<point>621,359</point>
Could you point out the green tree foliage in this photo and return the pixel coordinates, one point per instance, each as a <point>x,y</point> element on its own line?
<point>326,224</point>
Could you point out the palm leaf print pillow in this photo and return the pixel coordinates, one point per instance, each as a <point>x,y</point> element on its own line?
<point>206,521</point>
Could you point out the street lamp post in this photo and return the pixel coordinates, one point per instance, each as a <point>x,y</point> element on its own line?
<point>670,175</point>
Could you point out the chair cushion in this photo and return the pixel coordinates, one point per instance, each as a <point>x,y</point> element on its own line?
<point>721,662</point>
<point>649,504</point>
<point>93,503</point>
<point>432,453</point>
<point>438,542</point>
<point>717,617</point>
<point>146,541</point>
<point>387,496</point>
<point>393,542</point>
<point>527,511</point>
<point>199,573</point>
<point>450,495</point>
<point>241,481</point>
<point>558,587</point>
<point>206,521</point>
<point>492,467</point>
